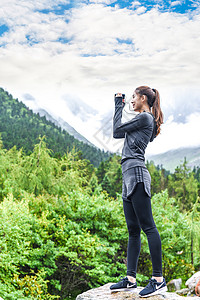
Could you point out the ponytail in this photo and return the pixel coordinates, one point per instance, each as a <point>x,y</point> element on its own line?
<point>153,100</point>
<point>156,111</point>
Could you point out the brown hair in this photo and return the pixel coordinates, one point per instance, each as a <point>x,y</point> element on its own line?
<point>153,100</point>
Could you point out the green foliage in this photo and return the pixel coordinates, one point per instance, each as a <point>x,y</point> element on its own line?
<point>63,229</point>
<point>159,177</point>
<point>183,186</point>
<point>47,240</point>
<point>34,286</point>
<point>174,229</point>
<point>59,245</point>
<point>60,219</point>
<point>79,226</point>
<point>194,237</point>
<point>39,172</point>
<point>110,176</point>
<point>17,252</point>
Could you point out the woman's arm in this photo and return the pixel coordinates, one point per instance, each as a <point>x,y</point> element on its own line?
<point>119,129</point>
<point>117,117</point>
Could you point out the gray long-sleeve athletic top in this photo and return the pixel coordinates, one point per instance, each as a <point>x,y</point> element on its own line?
<point>137,132</point>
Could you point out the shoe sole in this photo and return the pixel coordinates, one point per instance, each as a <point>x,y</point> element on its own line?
<point>159,291</point>
<point>124,289</point>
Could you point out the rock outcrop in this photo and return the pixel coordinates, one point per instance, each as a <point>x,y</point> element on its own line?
<point>104,293</point>
<point>174,284</point>
<point>192,282</point>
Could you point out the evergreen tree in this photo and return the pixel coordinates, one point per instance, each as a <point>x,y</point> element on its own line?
<point>101,171</point>
<point>158,177</point>
<point>183,186</point>
<point>106,184</point>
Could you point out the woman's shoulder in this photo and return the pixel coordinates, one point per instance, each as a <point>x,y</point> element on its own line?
<point>146,117</point>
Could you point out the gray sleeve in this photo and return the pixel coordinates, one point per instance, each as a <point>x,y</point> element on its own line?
<point>140,121</point>
<point>117,118</point>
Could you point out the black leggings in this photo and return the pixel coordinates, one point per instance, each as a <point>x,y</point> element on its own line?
<point>139,216</point>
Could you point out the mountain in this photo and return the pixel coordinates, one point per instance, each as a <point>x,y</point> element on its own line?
<point>171,159</point>
<point>63,124</point>
<point>72,114</point>
<point>20,127</point>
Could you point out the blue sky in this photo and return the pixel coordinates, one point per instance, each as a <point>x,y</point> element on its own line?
<point>180,6</point>
<point>3,29</point>
<point>85,51</point>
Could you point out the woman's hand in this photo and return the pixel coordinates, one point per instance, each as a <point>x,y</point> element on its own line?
<point>121,95</point>
<point>118,95</point>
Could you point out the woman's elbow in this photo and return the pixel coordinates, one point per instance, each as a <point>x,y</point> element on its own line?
<point>115,136</point>
<point>118,135</point>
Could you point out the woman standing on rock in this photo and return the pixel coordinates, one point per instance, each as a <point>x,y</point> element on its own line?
<point>136,188</point>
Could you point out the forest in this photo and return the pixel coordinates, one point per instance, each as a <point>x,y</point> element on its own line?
<point>62,225</point>
<point>63,230</point>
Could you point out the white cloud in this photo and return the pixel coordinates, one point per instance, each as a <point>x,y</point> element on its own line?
<point>141,10</point>
<point>174,3</point>
<point>135,4</point>
<point>38,27</point>
<point>107,2</point>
